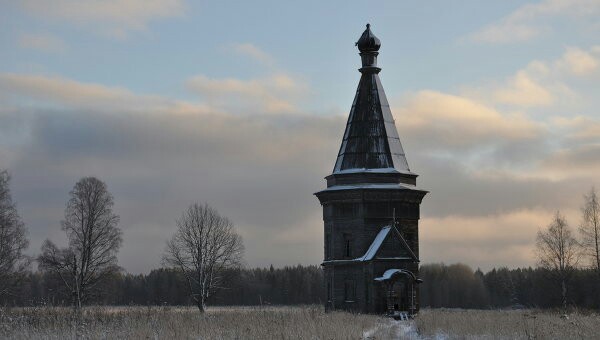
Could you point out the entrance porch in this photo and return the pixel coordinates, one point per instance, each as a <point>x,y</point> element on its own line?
<point>399,286</point>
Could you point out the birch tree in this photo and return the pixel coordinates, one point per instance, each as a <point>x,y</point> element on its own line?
<point>94,241</point>
<point>204,244</point>
<point>590,228</point>
<point>13,240</point>
<point>558,252</point>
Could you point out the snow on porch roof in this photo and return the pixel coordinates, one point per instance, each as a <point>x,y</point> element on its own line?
<point>390,272</point>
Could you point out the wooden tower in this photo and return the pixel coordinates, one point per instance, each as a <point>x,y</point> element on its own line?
<point>371,206</point>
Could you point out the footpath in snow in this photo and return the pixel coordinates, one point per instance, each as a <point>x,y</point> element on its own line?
<point>392,328</point>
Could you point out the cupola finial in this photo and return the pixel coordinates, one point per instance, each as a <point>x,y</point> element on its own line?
<point>368,45</point>
<point>368,42</point>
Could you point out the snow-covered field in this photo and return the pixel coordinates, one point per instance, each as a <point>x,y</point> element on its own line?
<point>309,322</point>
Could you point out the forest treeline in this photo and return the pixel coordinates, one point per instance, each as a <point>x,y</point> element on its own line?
<point>458,286</point>
<point>291,285</point>
<point>453,286</point>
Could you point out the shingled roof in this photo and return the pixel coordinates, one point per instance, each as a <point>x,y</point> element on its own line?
<point>371,140</point>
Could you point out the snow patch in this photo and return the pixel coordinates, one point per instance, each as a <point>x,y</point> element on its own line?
<point>372,186</point>
<point>367,170</point>
<point>400,330</point>
<point>407,330</point>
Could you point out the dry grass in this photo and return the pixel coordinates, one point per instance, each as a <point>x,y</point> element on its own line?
<point>506,324</point>
<point>308,322</point>
<point>183,323</point>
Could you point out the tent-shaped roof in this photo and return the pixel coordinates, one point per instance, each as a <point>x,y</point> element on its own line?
<point>371,140</point>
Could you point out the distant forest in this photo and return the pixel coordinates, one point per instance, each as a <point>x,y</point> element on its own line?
<point>453,286</point>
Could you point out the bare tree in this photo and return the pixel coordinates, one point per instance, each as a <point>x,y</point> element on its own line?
<point>590,228</point>
<point>558,252</point>
<point>94,240</point>
<point>204,244</point>
<point>13,240</point>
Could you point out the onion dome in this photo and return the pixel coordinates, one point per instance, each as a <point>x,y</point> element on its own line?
<point>368,42</point>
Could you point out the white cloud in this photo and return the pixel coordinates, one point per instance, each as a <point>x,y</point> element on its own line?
<point>278,92</point>
<point>42,41</point>
<point>579,128</point>
<point>541,83</point>
<point>524,24</point>
<point>116,18</point>
<point>523,90</point>
<point>252,51</point>
<point>450,121</point>
<point>273,94</point>
<point>578,62</point>
<point>506,32</point>
<point>54,91</point>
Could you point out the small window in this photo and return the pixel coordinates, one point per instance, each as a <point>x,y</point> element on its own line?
<point>327,246</point>
<point>349,291</point>
<point>347,245</point>
<point>328,291</point>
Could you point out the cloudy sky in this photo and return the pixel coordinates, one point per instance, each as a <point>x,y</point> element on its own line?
<point>244,106</point>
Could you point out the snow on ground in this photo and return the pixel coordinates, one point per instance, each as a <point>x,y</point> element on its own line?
<point>393,328</point>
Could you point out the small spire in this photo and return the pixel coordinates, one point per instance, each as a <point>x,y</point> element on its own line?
<point>368,42</point>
